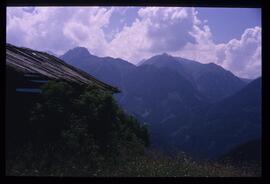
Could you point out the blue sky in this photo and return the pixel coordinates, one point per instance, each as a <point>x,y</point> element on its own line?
<point>238,18</point>
<point>230,37</point>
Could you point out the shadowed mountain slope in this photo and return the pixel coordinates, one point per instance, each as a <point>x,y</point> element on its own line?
<point>202,109</point>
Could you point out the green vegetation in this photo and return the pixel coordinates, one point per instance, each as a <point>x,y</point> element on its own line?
<point>75,131</point>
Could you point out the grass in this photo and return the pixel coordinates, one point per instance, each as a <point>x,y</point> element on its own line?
<point>157,165</point>
<point>152,164</point>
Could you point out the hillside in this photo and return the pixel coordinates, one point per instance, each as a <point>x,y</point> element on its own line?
<point>107,69</point>
<point>228,123</point>
<point>248,152</point>
<point>175,97</point>
<point>211,80</point>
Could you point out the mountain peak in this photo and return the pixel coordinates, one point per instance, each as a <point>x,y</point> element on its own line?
<point>160,59</point>
<point>78,51</point>
<point>165,54</point>
<point>212,64</point>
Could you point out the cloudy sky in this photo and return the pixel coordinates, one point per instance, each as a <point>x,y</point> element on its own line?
<point>230,37</point>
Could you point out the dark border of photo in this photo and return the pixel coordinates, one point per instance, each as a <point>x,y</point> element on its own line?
<point>184,3</point>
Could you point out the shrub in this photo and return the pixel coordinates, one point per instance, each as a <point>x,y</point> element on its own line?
<point>76,131</point>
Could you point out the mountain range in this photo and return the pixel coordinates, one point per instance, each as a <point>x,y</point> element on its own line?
<point>201,109</point>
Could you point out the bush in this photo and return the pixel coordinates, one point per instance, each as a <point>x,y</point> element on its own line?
<point>76,131</point>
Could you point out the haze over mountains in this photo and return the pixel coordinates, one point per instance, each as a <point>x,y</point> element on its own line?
<point>202,109</point>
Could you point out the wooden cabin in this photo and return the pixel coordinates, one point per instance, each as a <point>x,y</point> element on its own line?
<point>26,71</point>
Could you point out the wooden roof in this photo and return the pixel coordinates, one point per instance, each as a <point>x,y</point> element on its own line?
<point>33,62</point>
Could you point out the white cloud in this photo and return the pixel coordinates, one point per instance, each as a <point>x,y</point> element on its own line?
<point>57,28</point>
<point>155,30</point>
<point>176,30</point>
<point>89,31</point>
<point>131,43</point>
<point>242,57</point>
